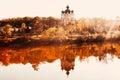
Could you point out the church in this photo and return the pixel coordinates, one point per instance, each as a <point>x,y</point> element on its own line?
<point>67,17</point>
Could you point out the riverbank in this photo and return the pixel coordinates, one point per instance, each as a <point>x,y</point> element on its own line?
<point>29,42</point>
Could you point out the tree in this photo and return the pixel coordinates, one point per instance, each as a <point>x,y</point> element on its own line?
<point>23,26</point>
<point>7,31</point>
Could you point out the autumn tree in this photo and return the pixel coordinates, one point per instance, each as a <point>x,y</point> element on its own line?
<point>7,31</point>
<point>23,26</point>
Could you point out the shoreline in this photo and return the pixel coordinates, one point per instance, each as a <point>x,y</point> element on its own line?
<point>24,42</point>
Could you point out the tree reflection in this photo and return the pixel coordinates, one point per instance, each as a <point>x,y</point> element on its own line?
<point>35,66</point>
<point>65,53</point>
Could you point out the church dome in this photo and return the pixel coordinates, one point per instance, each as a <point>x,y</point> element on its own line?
<point>67,9</point>
<point>62,12</point>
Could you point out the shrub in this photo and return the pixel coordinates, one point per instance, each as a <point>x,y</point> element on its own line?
<point>57,34</point>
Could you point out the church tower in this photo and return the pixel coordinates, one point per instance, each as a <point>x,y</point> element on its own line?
<point>67,17</point>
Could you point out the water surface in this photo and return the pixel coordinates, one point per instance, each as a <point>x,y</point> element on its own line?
<point>61,62</point>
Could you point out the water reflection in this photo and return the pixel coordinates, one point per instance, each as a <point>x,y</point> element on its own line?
<point>65,53</point>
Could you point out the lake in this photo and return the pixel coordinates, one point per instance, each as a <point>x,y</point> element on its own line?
<point>95,61</point>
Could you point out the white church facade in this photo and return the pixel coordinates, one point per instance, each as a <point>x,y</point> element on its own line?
<point>67,17</point>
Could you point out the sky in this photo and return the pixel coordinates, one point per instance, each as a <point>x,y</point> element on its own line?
<point>46,8</point>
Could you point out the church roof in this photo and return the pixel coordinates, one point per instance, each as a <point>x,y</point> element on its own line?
<point>67,10</point>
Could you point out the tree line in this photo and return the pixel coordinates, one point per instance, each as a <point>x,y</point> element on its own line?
<point>35,22</point>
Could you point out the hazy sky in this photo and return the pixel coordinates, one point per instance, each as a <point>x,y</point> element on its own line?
<point>45,8</point>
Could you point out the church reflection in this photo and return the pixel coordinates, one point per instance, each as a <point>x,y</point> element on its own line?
<point>65,53</point>
<point>68,59</point>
